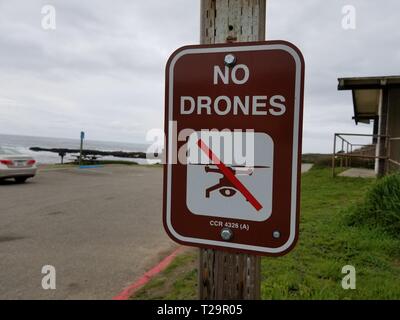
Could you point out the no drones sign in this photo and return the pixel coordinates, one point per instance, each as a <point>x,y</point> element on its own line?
<point>233,123</point>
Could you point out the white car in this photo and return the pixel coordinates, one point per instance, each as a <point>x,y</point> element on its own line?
<point>14,165</point>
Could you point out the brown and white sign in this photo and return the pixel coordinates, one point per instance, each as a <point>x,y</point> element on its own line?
<point>233,125</point>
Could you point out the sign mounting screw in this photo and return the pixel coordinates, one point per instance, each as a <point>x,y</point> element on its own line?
<point>276,234</point>
<point>230,60</point>
<point>226,234</point>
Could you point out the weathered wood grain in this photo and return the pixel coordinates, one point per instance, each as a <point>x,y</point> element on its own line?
<point>224,275</point>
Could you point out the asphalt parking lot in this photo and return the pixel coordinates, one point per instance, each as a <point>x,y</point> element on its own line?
<point>100,228</point>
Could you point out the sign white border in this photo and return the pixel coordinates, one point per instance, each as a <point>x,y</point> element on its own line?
<point>296,128</point>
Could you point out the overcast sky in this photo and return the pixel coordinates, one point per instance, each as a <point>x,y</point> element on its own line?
<point>102,68</point>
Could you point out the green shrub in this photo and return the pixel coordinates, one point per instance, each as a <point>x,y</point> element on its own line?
<point>381,207</point>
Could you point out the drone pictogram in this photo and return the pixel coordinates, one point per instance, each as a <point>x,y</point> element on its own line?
<point>230,175</point>
<point>225,187</point>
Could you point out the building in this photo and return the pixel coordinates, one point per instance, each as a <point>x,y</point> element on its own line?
<point>377,100</point>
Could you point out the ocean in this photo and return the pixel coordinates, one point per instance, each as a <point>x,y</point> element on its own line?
<point>23,143</point>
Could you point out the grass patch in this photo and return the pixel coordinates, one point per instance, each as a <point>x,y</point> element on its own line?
<point>381,207</point>
<point>326,244</point>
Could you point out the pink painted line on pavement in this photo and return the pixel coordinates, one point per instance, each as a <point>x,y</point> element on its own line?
<point>130,290</point>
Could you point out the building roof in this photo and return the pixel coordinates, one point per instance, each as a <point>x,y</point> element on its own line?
<point>366,94</point>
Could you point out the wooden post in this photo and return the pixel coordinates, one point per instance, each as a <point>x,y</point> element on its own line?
<point>351,152</point>
<point>389,145</point>
<point>341,154</point>
<point>376,130</point>
<point>224,275</point>
<point>334,156</point>
<point>383,132</point>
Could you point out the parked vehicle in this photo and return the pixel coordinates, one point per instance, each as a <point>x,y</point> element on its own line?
<point>15,165</point>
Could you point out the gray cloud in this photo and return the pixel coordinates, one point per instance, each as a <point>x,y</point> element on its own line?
<point>102,69</point>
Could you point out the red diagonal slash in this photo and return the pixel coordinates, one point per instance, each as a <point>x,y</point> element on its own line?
<point>229,175</point>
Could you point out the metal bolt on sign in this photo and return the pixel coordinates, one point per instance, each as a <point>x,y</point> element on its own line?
<point>230,60</point>
<point>226,234</point>
<point>276,234</point>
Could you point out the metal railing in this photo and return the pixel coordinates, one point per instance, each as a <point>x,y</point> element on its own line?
<point>350,150</point>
